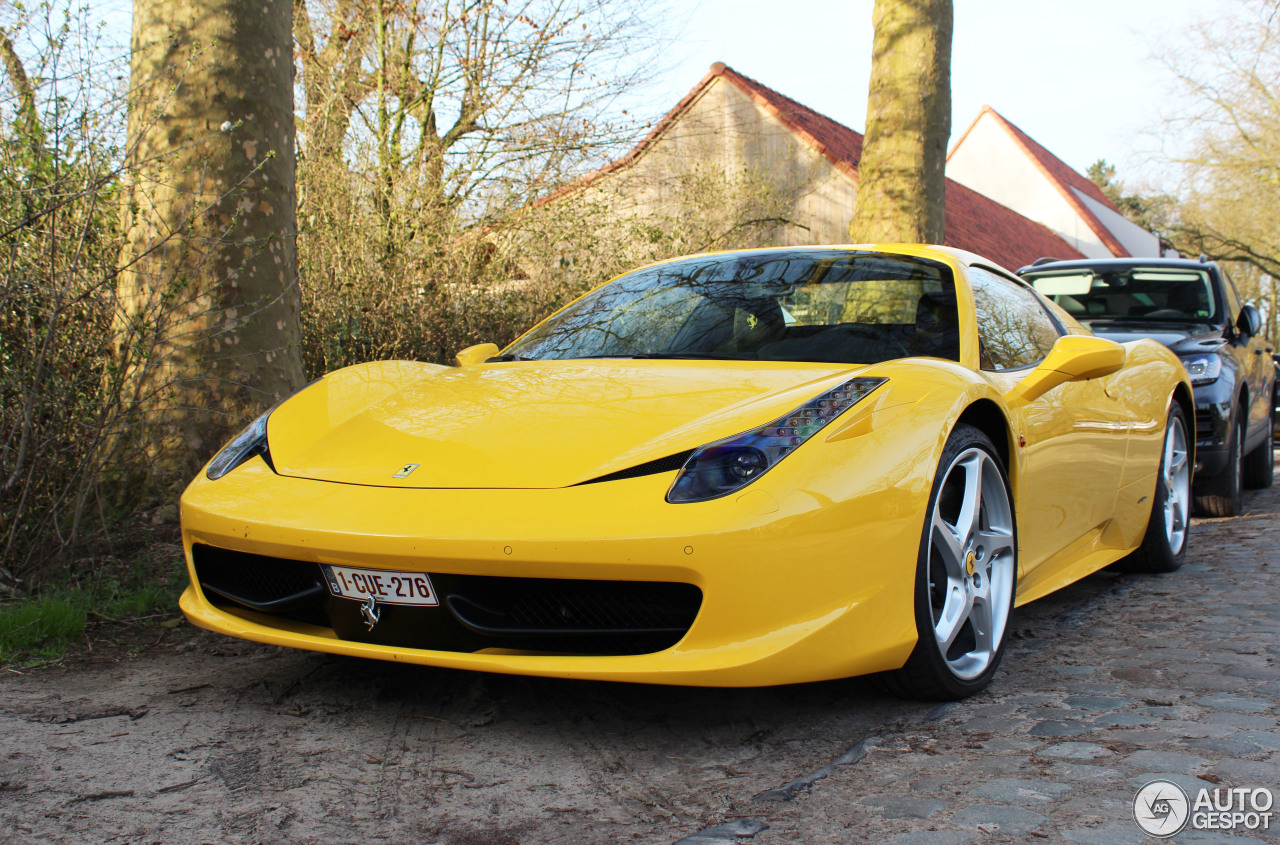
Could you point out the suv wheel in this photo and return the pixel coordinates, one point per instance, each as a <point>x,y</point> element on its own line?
<point>1259,465</point>
<point>1223,494</point>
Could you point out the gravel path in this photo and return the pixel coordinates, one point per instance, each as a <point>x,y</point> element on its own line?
<point>1106,686</point>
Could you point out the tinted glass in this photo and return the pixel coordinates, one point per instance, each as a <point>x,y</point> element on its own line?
<point>1013,328</point>
<point>1138,293</point>
<point>794,305</point>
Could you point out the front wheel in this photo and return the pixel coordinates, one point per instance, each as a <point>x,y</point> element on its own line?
<point>1223,494</point>
<point>1165,544</point>
<point>1259,465</point>
<point>965,576</point>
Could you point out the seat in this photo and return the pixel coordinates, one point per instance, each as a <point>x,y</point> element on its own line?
<point>937,330</point>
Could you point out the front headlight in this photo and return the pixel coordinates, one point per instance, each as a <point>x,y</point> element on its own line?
<point>1203,369</point>
<point>252,441</point>
<point>728,465</point>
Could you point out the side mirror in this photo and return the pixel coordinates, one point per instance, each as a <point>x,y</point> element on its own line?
<point>1073,358</point>
<point>1250,321</point>
<point>477,354</point>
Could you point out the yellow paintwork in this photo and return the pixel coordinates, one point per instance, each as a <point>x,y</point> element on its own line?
<point>1073,358</point>
<point>806,574</point>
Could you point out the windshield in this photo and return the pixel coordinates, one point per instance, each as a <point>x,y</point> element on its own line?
<point>1136,293</point>
<point>794,305</point>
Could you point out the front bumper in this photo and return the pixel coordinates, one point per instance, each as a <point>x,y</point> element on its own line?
<point>1214,405</point>
<point>794,588</point>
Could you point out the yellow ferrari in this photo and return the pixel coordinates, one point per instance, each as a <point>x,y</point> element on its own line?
<point>731,469</point>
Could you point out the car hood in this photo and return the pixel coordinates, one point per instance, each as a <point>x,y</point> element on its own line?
<point>1184,339</point>
<point>535,424</point>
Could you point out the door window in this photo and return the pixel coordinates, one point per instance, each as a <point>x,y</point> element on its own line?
<point>1014,329</point>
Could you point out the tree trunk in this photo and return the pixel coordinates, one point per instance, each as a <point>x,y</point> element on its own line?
<point>901,187</point>
<point>208,326</point>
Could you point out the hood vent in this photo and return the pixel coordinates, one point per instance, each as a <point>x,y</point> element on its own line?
<point>667,464</point>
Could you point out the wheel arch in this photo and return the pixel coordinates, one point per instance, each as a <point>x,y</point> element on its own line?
<point>1182,396</point>
<point>986,416</point>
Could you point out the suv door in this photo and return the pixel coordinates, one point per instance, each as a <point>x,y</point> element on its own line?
<point>1253,353</point>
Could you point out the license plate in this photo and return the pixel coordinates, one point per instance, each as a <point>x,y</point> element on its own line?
<point>386,585</point>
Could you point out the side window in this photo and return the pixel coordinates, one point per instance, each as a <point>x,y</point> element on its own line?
<point>1013,328</point>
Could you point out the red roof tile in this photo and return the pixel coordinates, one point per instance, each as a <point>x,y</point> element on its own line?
<point>1063,178</point>
<point>973,222</point>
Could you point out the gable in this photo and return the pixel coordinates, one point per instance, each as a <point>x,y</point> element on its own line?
<point>738,124</point>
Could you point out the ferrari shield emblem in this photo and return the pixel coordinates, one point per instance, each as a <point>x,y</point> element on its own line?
<point>405,470</point>
<point>370,612</point>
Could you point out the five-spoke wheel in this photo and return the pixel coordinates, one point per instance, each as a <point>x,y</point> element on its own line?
<point>966,573</point>
<point>1165,543</point>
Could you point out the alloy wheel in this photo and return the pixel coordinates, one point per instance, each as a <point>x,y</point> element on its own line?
<point>971,563</point>
<point>1177,485</point>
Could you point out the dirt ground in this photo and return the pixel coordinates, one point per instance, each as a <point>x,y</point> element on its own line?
<point>217,740</point>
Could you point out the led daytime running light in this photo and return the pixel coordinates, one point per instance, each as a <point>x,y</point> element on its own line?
<point>726,466</point>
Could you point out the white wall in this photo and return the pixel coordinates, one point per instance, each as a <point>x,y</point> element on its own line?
<point>989,161</point>
<point>1139,242</point>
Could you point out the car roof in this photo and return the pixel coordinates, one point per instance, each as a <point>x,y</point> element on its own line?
<point>1118,264</point>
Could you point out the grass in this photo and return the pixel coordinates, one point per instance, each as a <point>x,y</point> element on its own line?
<point>72,609</point>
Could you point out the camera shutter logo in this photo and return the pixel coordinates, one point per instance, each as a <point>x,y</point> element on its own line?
<point>1161,808</point>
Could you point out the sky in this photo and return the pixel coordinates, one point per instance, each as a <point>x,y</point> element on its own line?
<point>1080,77</point>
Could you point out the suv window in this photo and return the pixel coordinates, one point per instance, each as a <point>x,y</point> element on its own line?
<point>1132,293</point>
<point>1014,329</point>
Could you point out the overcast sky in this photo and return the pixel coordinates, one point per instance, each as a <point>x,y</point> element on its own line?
<point>1077,76</point>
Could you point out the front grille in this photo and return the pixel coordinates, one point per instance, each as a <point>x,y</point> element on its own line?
<point>1204,426</point>
<point>260,583</point>
<point>548,615</point>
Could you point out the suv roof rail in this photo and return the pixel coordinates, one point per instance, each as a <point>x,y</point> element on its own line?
<point>1044,260</point>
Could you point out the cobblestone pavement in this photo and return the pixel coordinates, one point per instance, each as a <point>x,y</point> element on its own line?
<point>1172,677</point>
<point>1106,685</point>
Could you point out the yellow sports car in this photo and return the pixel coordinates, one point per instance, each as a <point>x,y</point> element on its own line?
<point>732,469</point>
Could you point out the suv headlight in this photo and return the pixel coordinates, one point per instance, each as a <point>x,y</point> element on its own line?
<point>1203,369</point>
<point>728,465</point>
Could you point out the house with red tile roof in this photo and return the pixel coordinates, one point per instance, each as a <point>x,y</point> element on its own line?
<point>1000,161</point>
<point>732,124</point>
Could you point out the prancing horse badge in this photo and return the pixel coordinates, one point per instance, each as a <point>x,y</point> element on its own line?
<point>370,612</point>
<point>405,470</point>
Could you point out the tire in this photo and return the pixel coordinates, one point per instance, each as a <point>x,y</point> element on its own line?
<point>1223,494</point>
<point>1164,546</point>
<point>966,574</point>
<point>1259,465</point>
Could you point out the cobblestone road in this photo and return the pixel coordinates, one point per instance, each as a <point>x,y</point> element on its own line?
<point>1172,677</point>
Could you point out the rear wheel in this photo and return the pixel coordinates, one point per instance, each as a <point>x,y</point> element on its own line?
<point>1165,543</point>
<point>965,575</point>
<point>1223,494</point>
<point>1259,465</point>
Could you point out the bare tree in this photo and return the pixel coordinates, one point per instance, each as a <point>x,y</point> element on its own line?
<point>1226,140</point>
<point>901,187</point>
<point>208,326</point>
<point>470,107</point>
